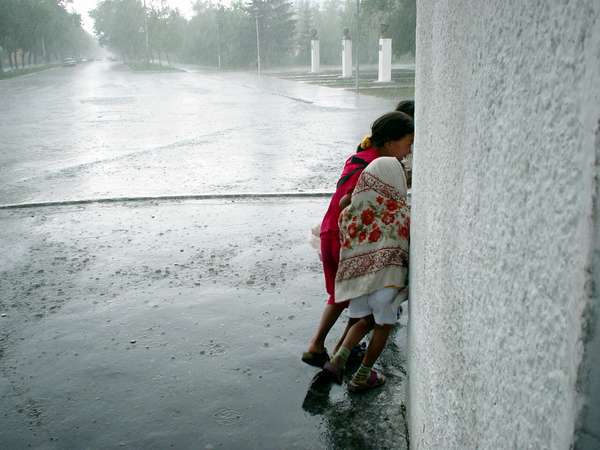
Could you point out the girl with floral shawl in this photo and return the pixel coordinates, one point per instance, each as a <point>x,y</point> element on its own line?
<point>373,268</point>
<point>391,135</point>
<point>374,231</point>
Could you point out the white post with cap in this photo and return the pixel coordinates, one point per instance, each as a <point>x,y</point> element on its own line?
<point>346,58</point>
<point>385,60</point>
<point>315,65</point>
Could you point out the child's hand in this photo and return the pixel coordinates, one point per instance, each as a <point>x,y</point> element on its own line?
<point>345,201</point>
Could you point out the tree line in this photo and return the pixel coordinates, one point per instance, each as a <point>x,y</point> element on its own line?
<point>226,37</point>
<point>33,31</point>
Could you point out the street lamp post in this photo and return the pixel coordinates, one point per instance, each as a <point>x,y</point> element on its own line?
<point>146,33</point>
<point>357,44</point>
<point>257,43</point>
<point>219,17</point>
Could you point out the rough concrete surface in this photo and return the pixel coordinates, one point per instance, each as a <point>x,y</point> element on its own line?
<point>174,325</point>
<point>508,100</point>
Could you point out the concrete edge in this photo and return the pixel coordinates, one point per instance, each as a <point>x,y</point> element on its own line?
<point>253,195</point>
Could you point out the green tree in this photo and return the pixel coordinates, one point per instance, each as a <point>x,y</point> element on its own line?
<point>7,28</point>
<point>330,27</point>
<point>226,36</point>
<point>33,28</point>
<point>276,25</point>
<point>228,33</point>
<point>306,16</point>
<point>202,44</point>
<point>237,37</point>
<point>175,29</point>
<point>400,15</point>
<point>166,31</point>
<point>119,25</point>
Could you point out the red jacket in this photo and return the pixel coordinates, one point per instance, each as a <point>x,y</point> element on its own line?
<point>352,170</point>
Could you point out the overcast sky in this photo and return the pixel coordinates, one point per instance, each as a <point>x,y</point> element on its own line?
<point>83,7</point>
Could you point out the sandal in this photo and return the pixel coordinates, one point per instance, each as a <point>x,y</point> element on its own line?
<point>315,359</point>
<point>334,372</point>
<point>374,380</point>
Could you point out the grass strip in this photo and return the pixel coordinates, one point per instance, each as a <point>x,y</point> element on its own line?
<point>26,71</point>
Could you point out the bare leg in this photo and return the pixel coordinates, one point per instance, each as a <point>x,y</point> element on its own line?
<point>349,324</point>
<point>376,344</point>
<point>335,367</point>
<point>357,331</point>
<point>328,318</point>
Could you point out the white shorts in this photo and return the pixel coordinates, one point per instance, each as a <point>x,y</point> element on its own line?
<point>382,303</point>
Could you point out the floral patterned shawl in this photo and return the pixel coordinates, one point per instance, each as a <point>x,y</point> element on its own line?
<point>374,232</point>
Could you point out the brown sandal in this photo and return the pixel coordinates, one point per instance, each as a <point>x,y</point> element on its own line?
<point>315,359</point>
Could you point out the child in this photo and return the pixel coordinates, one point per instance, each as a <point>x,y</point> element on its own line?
<point>373,266</point>
<point>391,135</point>
<point>407,107</point>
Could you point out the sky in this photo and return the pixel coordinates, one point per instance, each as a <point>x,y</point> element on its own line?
<point>84,6</point>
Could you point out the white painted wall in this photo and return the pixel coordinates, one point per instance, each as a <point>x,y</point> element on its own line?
<point>505,238</point>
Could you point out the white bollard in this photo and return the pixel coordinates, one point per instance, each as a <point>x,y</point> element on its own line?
<point>385,60</point>
<point>346,58</point>
<point>314,56</point>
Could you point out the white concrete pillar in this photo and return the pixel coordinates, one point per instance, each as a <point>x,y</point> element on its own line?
<point>346,58</point>
<point>315,64</point>
<point>385,60</point>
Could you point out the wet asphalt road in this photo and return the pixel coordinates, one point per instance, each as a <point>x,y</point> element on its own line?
<point>173,324</point>
<point>93,131</point>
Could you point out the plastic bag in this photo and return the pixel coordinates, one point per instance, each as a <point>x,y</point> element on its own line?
<point>315,239</point>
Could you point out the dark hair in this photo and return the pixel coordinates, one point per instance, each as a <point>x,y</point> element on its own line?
<point>391,126</point>
<point>407,107</point>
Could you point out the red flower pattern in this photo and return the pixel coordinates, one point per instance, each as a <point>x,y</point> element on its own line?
<point>391,205</point>
<point>352,230</point>
<point>388,218</point>
<point>403,231</point>
<point>367,216</point>
<point>375,235</point>
<point>378,219</point>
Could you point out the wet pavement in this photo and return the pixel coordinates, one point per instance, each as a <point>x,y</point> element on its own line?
<point>94,131</point>
<point>174,324</point>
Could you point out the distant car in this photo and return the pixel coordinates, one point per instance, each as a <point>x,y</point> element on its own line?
<point>69,62</point>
